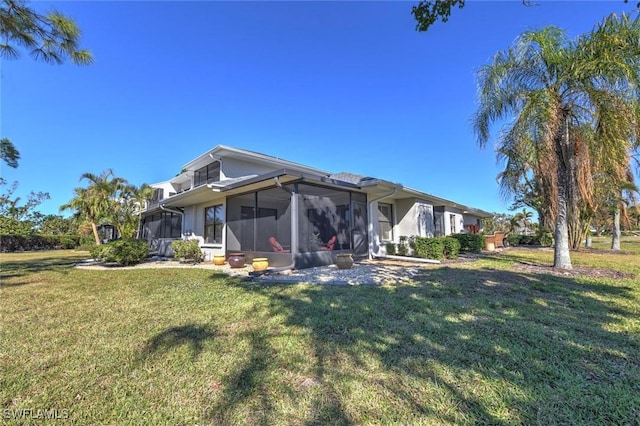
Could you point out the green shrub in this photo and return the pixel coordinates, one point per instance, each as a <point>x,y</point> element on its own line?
<point>403,248</point>
<point>391,249</point>
<point>69,241</point>
<point>527,240</point>
<point>451,248</point>
<point>86,244</point>
<point>470,243</point>
<point>125,251</point>
<point>429,248</point>
<point>514,239</point>
<point>544,237</point>
<point>85,247</point>
<point>187,249</point>
<point>96,251</point>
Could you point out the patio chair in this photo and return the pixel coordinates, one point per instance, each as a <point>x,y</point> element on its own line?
<point>330,244</point>
<point>276,246</point>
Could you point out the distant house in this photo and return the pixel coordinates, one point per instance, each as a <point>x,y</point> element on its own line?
<point>107,232</point>
<point>234,200</point>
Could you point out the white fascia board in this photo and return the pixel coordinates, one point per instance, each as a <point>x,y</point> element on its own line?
<point>181,178</point>
<point>159,184</point>
<point>222,151</point>
<point>447,203</point>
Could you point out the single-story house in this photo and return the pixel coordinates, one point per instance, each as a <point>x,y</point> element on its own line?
<point>234,200</point>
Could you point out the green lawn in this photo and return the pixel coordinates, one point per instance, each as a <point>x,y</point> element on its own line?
<point>467,343</point>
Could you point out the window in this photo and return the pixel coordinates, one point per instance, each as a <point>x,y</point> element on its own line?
<point>207,174</point>
<point>213,224</point>
<point>385,219</point>
<point>158,194</point>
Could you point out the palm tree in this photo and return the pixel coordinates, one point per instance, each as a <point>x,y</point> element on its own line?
<point>527,180</point>
<point>556,89</point>
<point>97,201</point>
<point>626,196</point>
<point>85,207</point>
<point>524,217</point>
<point>128,207</point>
<point>514,224</point>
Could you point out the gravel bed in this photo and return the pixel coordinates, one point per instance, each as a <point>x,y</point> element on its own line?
<point>362,273</point>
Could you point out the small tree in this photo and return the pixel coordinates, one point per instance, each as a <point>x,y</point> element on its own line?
<point>17,217</point>
<point>56,224</point>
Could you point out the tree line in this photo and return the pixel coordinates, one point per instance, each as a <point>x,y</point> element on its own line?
<point>105,199</point>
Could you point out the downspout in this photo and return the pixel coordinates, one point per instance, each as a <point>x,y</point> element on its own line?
<point>370,214</point>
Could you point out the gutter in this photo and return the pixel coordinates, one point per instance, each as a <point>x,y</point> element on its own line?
<point>370,214</point>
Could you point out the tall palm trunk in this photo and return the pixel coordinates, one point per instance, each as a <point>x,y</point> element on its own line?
<point>94,228</point>
<point>615,238</point>
<point>561,256</point>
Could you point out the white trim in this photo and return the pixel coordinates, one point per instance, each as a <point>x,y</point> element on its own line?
<point>408,259</point>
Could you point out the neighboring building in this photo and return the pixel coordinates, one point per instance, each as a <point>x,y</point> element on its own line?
<point>107,232</point>
<point>233,200</point>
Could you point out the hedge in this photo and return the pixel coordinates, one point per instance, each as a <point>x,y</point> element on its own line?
<point>430,248</point>
<point>451,248</point>
<point>12,243</point>
<point>544,238</point>
<point>470,243</point>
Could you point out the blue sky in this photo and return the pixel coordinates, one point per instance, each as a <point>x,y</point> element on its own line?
<point>342,86</point>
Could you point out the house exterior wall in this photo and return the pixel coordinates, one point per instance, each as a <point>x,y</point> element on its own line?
<point>415,217</point>
<point>452,215</point>
<point>234,168</point>
<point>405,219</point>
<point>188,222</point>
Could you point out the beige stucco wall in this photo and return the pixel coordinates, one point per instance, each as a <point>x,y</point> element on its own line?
<point>233,168</point>
<point>415,217</point>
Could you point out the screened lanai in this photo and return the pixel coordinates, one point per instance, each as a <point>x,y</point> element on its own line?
<point>297,224</point>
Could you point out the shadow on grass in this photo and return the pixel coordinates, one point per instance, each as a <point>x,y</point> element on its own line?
<point>22,268</point>
<point>248,386</point>
<point>501,347</point>
<point>191,334</point>
<point>247,383</point>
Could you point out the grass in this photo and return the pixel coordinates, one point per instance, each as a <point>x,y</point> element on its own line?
<point>469,343</point>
